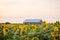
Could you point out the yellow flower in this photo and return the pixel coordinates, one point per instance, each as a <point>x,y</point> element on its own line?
<point>56,37</point>
<point>34,28</point>
<point>44,22</point>
<point>5,30</point>
<point>45,26</point>
<point>53,34</point>
<point>56,29</point>
<point>25,28</point>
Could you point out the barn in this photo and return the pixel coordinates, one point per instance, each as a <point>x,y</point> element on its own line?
<point>33,21</point>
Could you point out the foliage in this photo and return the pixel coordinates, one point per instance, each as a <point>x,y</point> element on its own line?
<point>43,31</point>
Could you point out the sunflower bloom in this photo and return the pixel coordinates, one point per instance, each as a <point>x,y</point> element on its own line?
<point>34,28</point>
<point>5,30</point>
<point>53,34</point>
<point>56,29</point>
<point>25,28</point>
<point>45,26</point>
<point>44,22</point>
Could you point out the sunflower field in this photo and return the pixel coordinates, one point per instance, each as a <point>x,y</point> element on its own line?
<point>43,31</point>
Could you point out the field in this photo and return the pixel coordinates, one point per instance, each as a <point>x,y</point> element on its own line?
<point>43,31</point>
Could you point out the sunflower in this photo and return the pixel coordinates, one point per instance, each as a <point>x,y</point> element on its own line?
<point>44,22</point>
<point>55,29</point>
<point>45,26</point>
<point>34,28</point>
<point>56,37</point>
<point>25,28</point>
<point>53,34</point>
<point>5,31</point>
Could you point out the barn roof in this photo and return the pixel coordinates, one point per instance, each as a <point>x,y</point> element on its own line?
<point>33,21</point>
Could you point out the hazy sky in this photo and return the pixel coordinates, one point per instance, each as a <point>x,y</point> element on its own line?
<point>19,10</point>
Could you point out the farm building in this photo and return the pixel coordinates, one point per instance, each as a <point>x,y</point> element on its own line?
<point>32,21</point>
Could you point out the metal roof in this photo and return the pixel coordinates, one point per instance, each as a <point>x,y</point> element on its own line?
<point>33,21</point>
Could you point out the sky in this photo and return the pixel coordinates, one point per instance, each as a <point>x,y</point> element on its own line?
<point>16,11</point>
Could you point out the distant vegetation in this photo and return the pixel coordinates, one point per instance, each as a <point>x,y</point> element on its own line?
<point>7,22</point>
